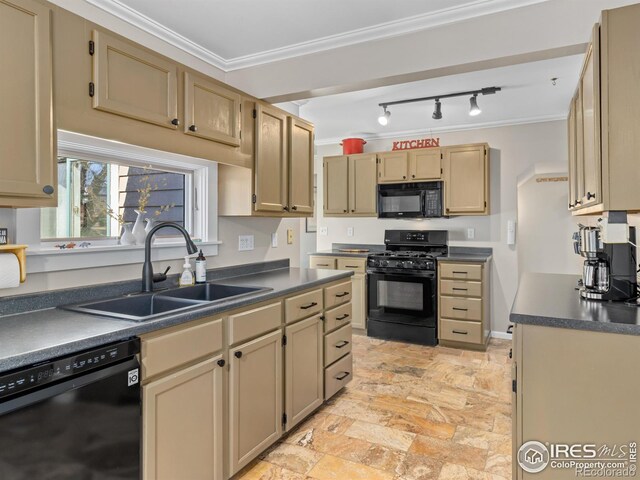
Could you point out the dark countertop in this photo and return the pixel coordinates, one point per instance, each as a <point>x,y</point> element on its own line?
<point>551,300</point>
<point>337,253</point>
<point>335,250</point>
<point>32,337</point>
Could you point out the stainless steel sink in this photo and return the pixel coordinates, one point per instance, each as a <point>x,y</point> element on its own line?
<point>140,308</point>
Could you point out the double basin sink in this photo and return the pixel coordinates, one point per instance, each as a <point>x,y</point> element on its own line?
<point>146,306</point>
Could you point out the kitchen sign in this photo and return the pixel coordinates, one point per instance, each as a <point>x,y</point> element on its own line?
<point>411,144</point>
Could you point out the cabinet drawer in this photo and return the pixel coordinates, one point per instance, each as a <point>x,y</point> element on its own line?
<point>337,376</point>
<point>337,294</point>
<point>358,265</point>
<point>461,308</point>
<point>165,351</point>
<point>460,289</point>
<point>461,271</point>
<point>337,344</point>
<point>302,306</point>
<point>337,317</point>
<point>460,331</point>
<point>258,321</point>
<point>328,263</point>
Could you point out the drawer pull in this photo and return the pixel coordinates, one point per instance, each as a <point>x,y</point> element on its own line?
<point>461,309</point>
<point>351,266</point>
<point>510,329</point>
<point>323,264</point>
<point>460,273</point>
<point>346,315</point>
<point>459,332</point>
<point>461,289</point>
<point>342,376</point>
<point>342,344</point>
<point>308,306</point>
<point>343,294</point>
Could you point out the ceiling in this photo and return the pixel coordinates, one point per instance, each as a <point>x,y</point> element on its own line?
<point>244,33</point>
<point>527,96</point>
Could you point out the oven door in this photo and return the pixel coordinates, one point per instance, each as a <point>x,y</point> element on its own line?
<point>400,203</point>
<point>409,299</point>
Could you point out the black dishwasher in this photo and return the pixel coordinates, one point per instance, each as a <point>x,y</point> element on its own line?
<point>74,417</point>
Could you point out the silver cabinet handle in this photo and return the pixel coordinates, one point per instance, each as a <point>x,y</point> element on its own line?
<point>342,344</point>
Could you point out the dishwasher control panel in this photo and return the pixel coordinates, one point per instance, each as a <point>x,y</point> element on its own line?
<point>53,370</point>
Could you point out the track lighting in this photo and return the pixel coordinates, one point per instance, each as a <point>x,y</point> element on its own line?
<point>384,118</point>
<point>474,109</point>
<point>437,111</point>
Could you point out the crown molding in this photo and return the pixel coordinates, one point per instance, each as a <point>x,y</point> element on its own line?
<point>375,32</point>
<point>452,128</point>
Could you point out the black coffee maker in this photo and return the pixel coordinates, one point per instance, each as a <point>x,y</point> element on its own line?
<point>609,271</point>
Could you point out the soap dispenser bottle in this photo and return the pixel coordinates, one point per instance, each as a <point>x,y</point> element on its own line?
<point>187,278</point>
<point>201,268</point>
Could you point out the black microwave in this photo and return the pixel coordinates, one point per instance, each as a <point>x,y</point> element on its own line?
<point>410,200</point>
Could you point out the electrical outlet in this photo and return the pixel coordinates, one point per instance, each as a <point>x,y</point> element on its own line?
<point>289,236</point>
<point>471,233</point>
<point>245,242</point>
<point>324,231</point>
<point>349,231</point>
<point>274,240</point>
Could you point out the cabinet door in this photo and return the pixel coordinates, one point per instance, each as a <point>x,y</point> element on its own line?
<point>304,369</point>
<point>27,132</point>
<point>300,166</point>
<point>363,185</point>
<point>255,398</point>
<point>182,424</point>
<point>336,185</point>
<point>589,84</point>
<point>466,180</point>
<point>393,167</point>
<point>359,300</point>
<point>270,160</point>
<point>211,111</point>
<point>571,138</point>
<point>579,150</point>
<point>424,164</point>
<point>134,82</point>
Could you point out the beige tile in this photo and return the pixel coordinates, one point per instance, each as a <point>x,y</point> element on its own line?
<point>473,437</point>
<point>499,464</point>
<point>451,471</point>
<point>348,448</point>
<point>422,426</point>
<point>335,468</point>
<point>267,471</point>
<point>380,435</point>
<point>293,457</point>
<point>418,467</point>
<point>359,411</point>
<point>448,451</point>
<point>383,458</point>
<point>502,424</point>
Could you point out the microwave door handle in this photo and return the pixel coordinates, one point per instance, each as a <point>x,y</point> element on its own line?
<point>423,202</point>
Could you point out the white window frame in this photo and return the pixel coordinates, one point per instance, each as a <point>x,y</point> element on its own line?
<point>201,208</point>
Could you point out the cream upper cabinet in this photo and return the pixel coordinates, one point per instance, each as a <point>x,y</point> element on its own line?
<point>336,184</point>
<point>393,167</point>
<point>255,398</point>
<point>571,139</point>
<point>424,164</point>
<point>182,427</point>
<point>270,160</point>
<point>303,369</point>
<point>211,111</point>
<point>466,176</point>
<point>134,82</point>
<point>363,190</point>
<point>27,129</point>
<point>300,166</point>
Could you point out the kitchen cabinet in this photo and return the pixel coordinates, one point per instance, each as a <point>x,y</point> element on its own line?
<point>27,125</point>
<point>607,132</point>
<point>255,398</point>
<point>567,389</point>
<point>322,261</point>
<point>300,164</point>
<point>303,370</point>
<point>463,304</point>
<point>132,81</point>
<point>393,167</point>
<point>425,164</point>
<point>271,193</point>
<point>211,111</point>
<point>466,180</point>
<point>350,185</point>
<point>183,427</point>
<point>571,138</point>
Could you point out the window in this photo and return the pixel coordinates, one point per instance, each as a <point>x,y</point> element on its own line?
<point>96,198</point>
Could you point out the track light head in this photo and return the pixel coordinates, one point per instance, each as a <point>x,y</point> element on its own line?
<point>384,118</point>
<point>437,111</point>
<point>474,108</point>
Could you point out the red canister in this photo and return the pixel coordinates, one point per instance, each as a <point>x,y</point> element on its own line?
<point>351,146</point>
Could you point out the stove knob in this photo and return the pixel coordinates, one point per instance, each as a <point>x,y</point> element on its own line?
<point>384,263</point>
<point>374,262</point>
<point>408,264</point>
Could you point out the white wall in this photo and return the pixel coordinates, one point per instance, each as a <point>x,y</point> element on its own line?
<point>514,150</point>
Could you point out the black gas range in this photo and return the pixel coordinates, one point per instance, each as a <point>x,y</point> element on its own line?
<point>402,281</point>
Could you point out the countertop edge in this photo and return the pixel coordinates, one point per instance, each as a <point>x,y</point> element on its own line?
<point>574,324</point>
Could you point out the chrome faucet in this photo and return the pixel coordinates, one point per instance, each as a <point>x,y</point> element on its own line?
<point>147,268</point>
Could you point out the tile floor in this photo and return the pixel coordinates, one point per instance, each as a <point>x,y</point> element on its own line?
<point>410,413</point>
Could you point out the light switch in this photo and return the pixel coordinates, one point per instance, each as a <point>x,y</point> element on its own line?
<point>289,236</point>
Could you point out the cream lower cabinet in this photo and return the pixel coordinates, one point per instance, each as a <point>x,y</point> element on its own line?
<point>255,398</point>
<point>183,424</point>
<point>303,370</point>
